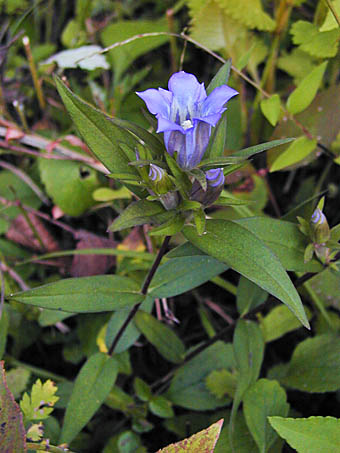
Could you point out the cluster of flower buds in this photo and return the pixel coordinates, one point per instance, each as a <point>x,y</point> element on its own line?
<point>186,116</point>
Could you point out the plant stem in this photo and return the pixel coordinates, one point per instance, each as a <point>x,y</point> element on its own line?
<point>33,69</point>
<point>144,290</point>
<point>219,281</point>
<point>35,370</point>
<point>47,448</point>
<point>334,12</point>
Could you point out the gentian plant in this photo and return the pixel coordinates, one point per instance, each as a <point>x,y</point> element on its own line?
<point>177,175</point>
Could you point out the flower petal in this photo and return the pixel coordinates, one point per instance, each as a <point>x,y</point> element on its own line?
<point>186,90</point>
<point>196,142</point>
<point>157,101</point>
<point>216,100</point>
<point>211,119</point>
<point>215,177</point>
<point>174,141</point>
<point>167,125</point>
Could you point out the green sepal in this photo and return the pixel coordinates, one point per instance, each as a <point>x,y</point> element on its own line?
<point>182,180</point>
<point>309,251</point>
<point>144,162</point>
<point>200,221</point>
<point>169,228</point>
<point>199,175</point>
<point>304,227</point>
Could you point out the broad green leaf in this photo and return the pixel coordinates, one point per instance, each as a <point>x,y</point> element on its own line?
<point>221,382</point>
<point>265,398</point>
<point>309,435</point>
<point>92,385</point>
<point>142,389</point>
<point>314,42</point>
<point>250,14</point>
<point>248,346</point>
<point>169,228</point>
<point>284,239</point>
<point>85,57</point>
<point>83,295</point>
<point>17,380</point>
<point>164,339</point>
<point>123,55</point>
<point>252,150</point>
<point>294,154</point>
<point>39,404</point>
<point>203,441</point>
<point>315,365</point>
<point>278,322</point>
<point>161,407</point>
<point>181,274</point>
<point>249,296</point>
<point>140,212</point>
<point>100,133</point>
<point>69,184</point>
<point>271,108</point>
<point>13,435</point>
<point>326,286</point>
<point>304,94</point>
<point>188,388</point>
<point>243,441</point>
<point>235,245</point>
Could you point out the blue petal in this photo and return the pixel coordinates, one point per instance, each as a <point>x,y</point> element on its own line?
<point>167,125</point>
<point>211,119</point>
<point>196,142</point>
<point>215,177</point>
<point>174,141</point>
<point>157,101</point>
<point>217,98</point>
<point>186,90</point>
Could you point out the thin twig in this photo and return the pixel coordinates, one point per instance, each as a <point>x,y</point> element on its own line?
<point>333,10</point>
<point>144,290</point>
<point>20,174</point>
<point>2,296</point>
<point>16,277</point>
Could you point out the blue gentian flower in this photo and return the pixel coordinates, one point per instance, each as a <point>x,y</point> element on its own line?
<point>186,115</point>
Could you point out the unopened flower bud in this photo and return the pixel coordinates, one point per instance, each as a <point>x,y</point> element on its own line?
<point>215,177</point>
<point>320,227</point>
<point>159,180</point>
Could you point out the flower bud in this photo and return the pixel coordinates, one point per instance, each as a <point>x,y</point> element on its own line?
<point>320,227</point>
<point>159,180</point>
<point>215,182</point>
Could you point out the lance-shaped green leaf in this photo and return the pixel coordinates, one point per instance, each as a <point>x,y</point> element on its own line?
<point>315,365</point>
<point>233,244</point>
<point>204,441</point>
<point>92,385</point>
<point>169,228</point>
<point>83,295</point>
<point>248,345</point>
<point>248,152</point>
<point>295,153</point>
<point>309,435</point>
<point>160,336</point>
<point>100,133</point>
<point>140,212</point>
<point>181,274</point>
<point>265,398</point>
<point>304,94</point>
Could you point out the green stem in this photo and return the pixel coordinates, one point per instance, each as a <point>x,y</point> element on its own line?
<point>219,281</point>
<point>333,10</point>
<point>144,291</point>
<point>47,448</point>
<point>35,370</point>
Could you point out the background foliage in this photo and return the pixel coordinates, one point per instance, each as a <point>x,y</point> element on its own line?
<point>211,340</point>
